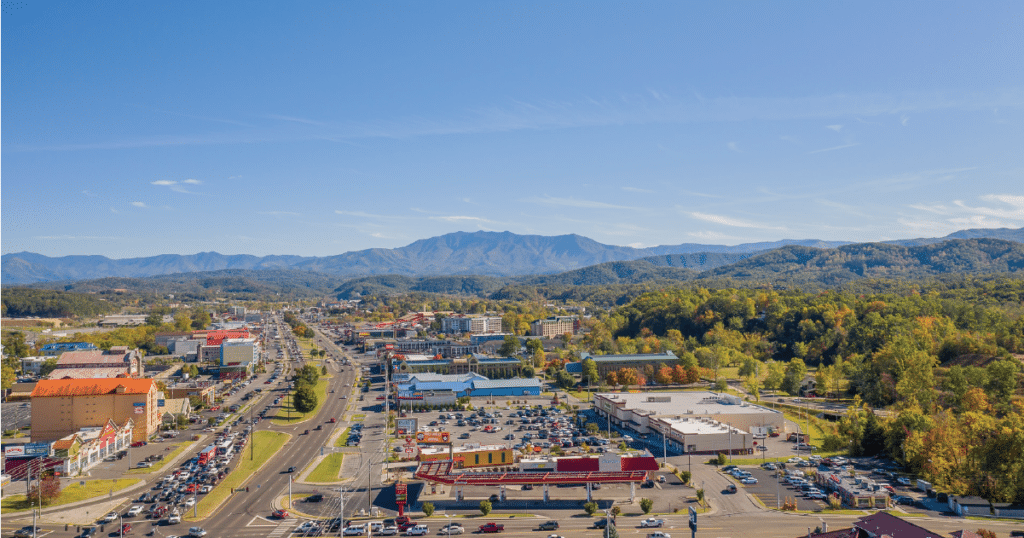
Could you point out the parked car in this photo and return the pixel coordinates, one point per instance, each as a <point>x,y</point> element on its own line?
<point>126,528</point>
<point>354,530</point>
<point>659,534</point>
<point>134,511</point>
<point>749,480</point>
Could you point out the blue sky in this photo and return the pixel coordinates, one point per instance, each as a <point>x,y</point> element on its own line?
<point>316,128</point>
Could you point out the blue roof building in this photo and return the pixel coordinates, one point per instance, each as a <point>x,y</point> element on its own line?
<point>56,348</point>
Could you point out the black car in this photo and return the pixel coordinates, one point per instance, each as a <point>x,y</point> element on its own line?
<point>315,498</point>
<point>602,523</point>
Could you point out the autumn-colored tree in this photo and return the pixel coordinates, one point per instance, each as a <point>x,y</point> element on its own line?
<point>48,489</point>
<point>679,376</point>
<point>664,375</point>
<point>692,374</point>
<point>612,378</point>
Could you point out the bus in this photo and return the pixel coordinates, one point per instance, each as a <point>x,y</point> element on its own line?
<point>207,454</point>
<point>224,447</point>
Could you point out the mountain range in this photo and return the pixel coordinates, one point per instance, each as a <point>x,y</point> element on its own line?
<point>494,254</point>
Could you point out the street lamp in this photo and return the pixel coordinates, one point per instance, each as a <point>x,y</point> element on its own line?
<point>120,518</point>
<point>449,518</point>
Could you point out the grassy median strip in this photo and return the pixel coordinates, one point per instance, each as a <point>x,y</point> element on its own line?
<point>159,466</point>
<point>343,438</point>
<point>72,493</point>
<point>264,444</point>
<point>328,470</point>
<point>287,408</point>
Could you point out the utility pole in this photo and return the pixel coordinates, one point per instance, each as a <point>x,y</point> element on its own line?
<point>341,511</point>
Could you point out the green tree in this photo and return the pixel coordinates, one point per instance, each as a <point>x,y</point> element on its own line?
<point>646,505</point>
<point>721,459</point>
<point>796,370</point>
<point>590,375</point>
<point>700,496</point>
<point>305,399</point>
<point>200,319</point>
<point>428,509</point>
<point>485,507</point>
<point>15,346</point>
<point>590,508</point>
<point>155,319</point>
<point>48,366</point>
<point>8,377</point>
<point>534,346</point>
<point>1002,379</point>
<point>685,476</point>
<point>510,347</point>
<point>776,375</point>
<point>323,370</point>
<point>182,323</point>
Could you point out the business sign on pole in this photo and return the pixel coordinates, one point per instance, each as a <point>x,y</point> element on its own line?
<point>433,438</point>
<point>35,450</point>
<point>401,493</point>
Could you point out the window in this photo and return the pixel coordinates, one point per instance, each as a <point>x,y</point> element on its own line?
<point>490,458</point>
<point>478,459</point>
<point>502,457</point>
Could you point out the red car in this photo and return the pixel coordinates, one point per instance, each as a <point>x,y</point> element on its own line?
<point>279,514</point>
<point>126,528</point>
<point>492,527</point>
<point>137,444</point>
<point>333,420</point>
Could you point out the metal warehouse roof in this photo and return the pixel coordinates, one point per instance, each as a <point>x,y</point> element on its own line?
<point>505,383</point>
<point>667,356</point>
<point>90,387</point>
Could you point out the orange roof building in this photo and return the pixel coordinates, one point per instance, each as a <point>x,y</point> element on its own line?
<point>61,407</point>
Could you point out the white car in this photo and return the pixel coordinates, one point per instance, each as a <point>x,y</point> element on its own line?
<point>652,522</point>
<point>134,510</point>
<point>659,534</point>
<point>749,480</point>
<point>190,502</point>
<point>110,517</point>
<point>354,530</point>
<point>375,526</point>
<point>196,532</point>
<point>390,530</point>
<point>418,530</point>
<point>206,489</point>
<point>174,519</point>
<point>144,464</point>
<point>452,528</point>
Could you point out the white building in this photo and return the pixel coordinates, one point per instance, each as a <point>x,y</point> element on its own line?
<point>695,422</point>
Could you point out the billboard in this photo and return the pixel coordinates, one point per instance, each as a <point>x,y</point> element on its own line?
<point>406,425</point>
<point>433,438</point>
<point>27,450</point>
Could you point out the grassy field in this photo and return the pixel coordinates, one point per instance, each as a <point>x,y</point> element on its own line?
<point>72,493</point>
<point>265,445</point>
<point>328,470</point>
<point>168,458</point>
<point>282,417</point>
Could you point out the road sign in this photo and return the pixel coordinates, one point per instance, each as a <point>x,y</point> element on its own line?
<point>693,516</point>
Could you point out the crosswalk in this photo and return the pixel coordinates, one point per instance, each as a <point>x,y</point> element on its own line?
<point>282,529</point>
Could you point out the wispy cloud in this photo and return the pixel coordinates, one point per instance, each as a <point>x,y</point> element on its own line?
<point>363,214</point>
<point>707,235</point>
<point>89,194</point>
<point>637,189</point>
<point>76,238</point>
<point>574,202</point>
<point>837,127</point>
<point>139,204</point>
<point>730,221</point>
<point>459,218</point>
<point>294,119</point>
<point>904,120</point>
<point>732,146</point>
<point>834,148</point>
<point>176,186</point>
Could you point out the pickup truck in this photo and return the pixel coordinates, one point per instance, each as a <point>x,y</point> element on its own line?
<point>651,522</point>
<point>492,527</point>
